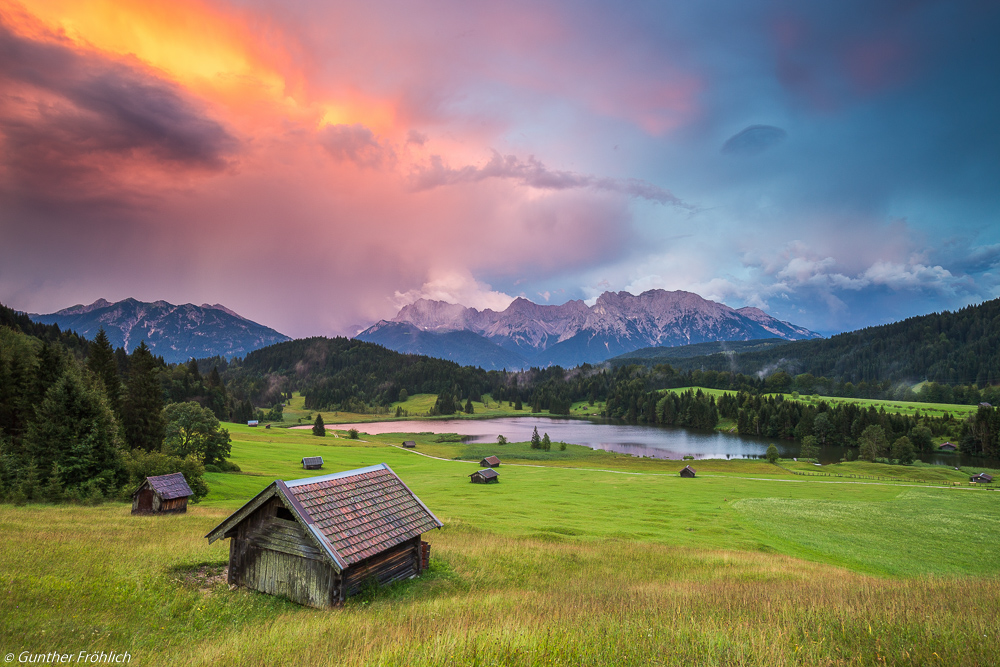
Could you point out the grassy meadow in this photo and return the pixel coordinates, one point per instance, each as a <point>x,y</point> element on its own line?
<point>419,405</point>
<point>575,557</point>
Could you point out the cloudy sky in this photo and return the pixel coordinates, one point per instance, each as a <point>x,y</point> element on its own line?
<point>315,165</point>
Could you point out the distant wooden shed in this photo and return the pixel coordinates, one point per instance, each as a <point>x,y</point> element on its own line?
<point>252,422</point>
<point>409,444</point>
<point>312,462</point>
<point>688,471</point>
<point>319,540</point>
<point>981,478</point>
<point>487,476</point>
<point>948,447</point>
<point>162,494</point>
<point>490,462</point>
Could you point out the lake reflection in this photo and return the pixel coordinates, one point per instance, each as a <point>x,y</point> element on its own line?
<point>662,442</point>
<point>654,441</point>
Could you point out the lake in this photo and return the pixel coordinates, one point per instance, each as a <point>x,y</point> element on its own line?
<point>662,442</point>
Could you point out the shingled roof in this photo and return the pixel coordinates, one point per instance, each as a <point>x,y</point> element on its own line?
<point>168,487</point>
<point>353,514</point>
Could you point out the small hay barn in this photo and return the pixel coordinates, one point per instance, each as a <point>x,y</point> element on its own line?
<point>490,462</point>
<point>319,540</point>
<point>312,462</point>
<point>409,444</point>
<point>688,471</point>
<point>162,494</point>
<point>947,447</point>
<point>981,478</point>
<point>487,476</point>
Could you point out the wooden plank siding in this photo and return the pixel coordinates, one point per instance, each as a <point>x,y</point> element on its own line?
<point>400,562</point>
<point>274,555</point>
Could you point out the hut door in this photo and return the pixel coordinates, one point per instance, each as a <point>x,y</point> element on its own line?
<point>145,500</point>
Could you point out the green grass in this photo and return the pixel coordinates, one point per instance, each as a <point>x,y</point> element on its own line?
<point>418,407</point>
<point>902,407</point>
<point>562,563</point>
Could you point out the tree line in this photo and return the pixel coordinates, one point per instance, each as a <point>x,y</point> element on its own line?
<point>82,421</point>
<point>955,354</point>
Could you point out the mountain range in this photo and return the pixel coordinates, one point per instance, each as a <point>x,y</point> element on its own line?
<point>528,334</point>
<point>177,333</point>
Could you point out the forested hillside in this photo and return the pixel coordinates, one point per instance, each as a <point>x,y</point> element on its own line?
<point>82,421</point>
<point>955,350</point>
<point>352,375</point>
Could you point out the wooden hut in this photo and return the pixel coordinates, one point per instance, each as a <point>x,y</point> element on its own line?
<point>162,494</point>
<point>948,447</point>
<point>490,462</point>
<point>252,422</point>
<point>688,471</point>
<point>981,478</point>
<point>319,540</point>
<point>409,444</point>
<point>312,462</point>
<point>487,476</point>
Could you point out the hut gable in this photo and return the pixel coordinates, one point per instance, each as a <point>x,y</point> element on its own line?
<point>312,462</point>
<point>948,446</point>
<point>318,540</point>
<point>484,476</point>
<point>688,471</point>
<point>490,462</point>
<point>162,494</point>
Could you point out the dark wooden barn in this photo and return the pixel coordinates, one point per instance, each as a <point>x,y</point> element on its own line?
<point>981,478</point>
<point>490,462</point>
<point>409,444</point>
<point>319,540</point>
<point>162,494</point>
<point>487,476</point>
<point>688,471</point>
<point>947,447</point>
<point>312,462</point>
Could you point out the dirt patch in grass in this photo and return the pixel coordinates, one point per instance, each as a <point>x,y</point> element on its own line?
<point>203,576</point>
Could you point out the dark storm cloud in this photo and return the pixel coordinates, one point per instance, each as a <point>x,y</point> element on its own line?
<point>754,140</point>
<point>67,117</point>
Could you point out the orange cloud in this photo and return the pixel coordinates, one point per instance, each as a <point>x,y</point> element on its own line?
<point>241,61</point>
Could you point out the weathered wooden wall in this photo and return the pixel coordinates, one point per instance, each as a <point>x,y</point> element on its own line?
<point>156,504</point>
<point>274,555</point>
<point>395,564</point>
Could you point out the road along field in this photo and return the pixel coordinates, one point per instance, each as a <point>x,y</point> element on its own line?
<point>590,558</point>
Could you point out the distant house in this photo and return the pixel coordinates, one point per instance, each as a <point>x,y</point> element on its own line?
<point>312,462</point>
<point>409,444</point>
<point>985,405</point>
<point>487,476</point>
<point>319,540</point>
<point>948,447</point>
<point>981,478</point>
<point>252,422</point>
<point>688,471</point>
<point>490,462</point>
<point>162,494</point>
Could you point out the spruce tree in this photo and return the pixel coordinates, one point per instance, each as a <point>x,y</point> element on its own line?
<point>546,442</point>
<point>143,405</point>
<point>318,427</point>
<point>75,429</point>
<point>101,362</point>
<point>536,441</point>
<point>468,406</point>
